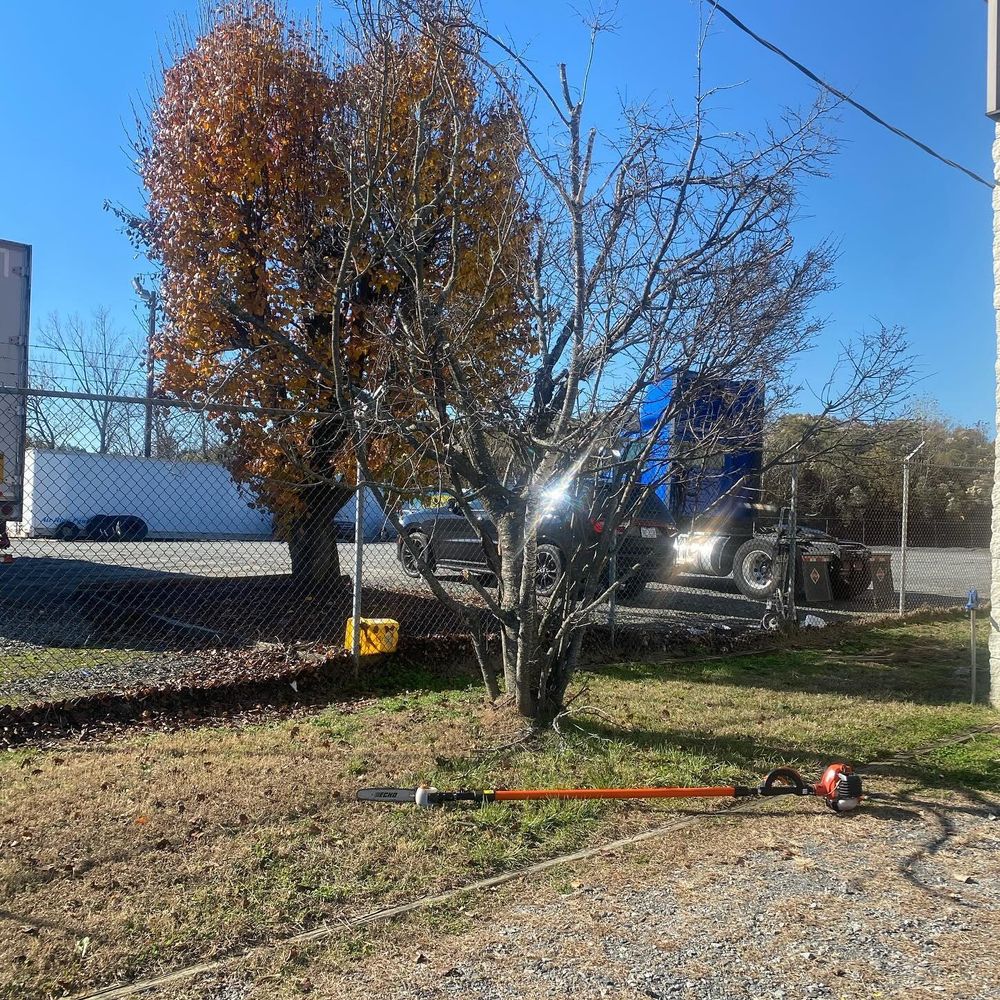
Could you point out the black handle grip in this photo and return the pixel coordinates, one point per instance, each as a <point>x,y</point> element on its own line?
<point>782,781</point>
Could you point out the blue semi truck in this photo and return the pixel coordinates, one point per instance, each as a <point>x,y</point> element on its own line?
<point>706,465</point>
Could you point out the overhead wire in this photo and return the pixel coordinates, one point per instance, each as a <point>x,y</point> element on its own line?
<point>840,95</point>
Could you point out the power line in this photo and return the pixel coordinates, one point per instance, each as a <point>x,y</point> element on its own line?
<point>848,100</point>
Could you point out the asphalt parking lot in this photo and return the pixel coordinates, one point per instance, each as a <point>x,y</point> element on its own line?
<point>47,570</point>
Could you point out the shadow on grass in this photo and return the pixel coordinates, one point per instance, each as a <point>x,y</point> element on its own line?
<point>879,667</point>
<point>252,692</point>
<point>972,765</point>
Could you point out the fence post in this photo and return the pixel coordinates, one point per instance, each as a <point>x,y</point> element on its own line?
<point>793,531</point>
<point>970,605</point>
<point>906,517</point>
<point>613,598</point>
<point>359,545</point>
<point>150,298</point>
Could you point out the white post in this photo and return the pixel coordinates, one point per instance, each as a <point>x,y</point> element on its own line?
<point>613,578</point>
<point>995,532</point>
<point>903,527</point>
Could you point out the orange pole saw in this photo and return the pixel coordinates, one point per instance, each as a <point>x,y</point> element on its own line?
<point>839,788</point>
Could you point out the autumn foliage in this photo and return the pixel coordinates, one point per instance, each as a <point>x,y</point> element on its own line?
<point>276,180</point>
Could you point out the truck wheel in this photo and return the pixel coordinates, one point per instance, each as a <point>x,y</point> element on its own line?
<point>129,529</point>
<point>408,559</point>
<point>753,569</point>
<point>67,531</point>
<point>853,587</point>
<point>632,587</point>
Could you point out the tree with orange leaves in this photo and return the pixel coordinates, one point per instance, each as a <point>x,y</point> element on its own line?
<point>273,252</point>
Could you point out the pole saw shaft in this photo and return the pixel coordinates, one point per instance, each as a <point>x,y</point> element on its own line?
<point>518,794</point>
<point>840,789</point>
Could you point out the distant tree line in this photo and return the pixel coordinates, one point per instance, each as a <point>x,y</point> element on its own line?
<point>851,478</point>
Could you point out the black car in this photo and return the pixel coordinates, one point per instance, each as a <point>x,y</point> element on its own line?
<point>448,541</point>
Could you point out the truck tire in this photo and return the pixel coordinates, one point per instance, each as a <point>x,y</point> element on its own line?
<point>753,569</point>
<point>129,529</point>
<point>67,531</point>
<point>99,528</point>
<point>632,587</point>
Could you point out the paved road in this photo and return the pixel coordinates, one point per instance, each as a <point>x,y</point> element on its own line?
<point>46,570</point>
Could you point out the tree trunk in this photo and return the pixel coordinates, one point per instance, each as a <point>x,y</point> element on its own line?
<point>509,534</point>
<point>312,541</point>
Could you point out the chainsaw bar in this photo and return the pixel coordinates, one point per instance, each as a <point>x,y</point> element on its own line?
<point>405,796</point>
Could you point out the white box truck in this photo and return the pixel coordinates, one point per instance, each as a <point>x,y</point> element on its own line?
<point>124,497</point>
<point>15,298</point>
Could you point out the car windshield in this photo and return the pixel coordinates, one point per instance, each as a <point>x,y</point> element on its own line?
<point>598,494</point>
<point>652,507</point>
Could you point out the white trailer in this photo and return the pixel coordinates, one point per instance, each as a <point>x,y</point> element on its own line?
<point>175,499</point>
<point>15,297</point>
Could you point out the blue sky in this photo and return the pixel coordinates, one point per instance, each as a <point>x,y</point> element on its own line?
<point>914,236</point>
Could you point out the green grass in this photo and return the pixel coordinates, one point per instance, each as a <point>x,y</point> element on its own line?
<point>206,840</point>
<point>972,765</point>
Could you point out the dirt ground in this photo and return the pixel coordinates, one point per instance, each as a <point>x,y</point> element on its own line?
<point>901,899</point>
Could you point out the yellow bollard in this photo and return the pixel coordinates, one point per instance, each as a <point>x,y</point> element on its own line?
<point>378,635</point>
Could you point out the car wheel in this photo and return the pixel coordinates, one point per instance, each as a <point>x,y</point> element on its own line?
<point>548,569</point>
<point>408,554</point>
<point>753,569</point>
<point>67,531</point>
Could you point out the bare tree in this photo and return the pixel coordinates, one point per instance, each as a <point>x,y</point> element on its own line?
<point>663,255</point>
<point>50,423</point>
<point>91,357</point>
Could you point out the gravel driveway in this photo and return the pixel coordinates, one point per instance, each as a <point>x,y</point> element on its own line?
<point>899,900</point>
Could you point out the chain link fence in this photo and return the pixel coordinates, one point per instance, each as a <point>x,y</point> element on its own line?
<point>131,570</point>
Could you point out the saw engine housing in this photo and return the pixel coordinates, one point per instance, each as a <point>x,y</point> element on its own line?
<point>840,788</point>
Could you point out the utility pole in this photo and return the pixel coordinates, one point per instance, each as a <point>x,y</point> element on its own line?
<point>993,111</point>
<point>150,298</point>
